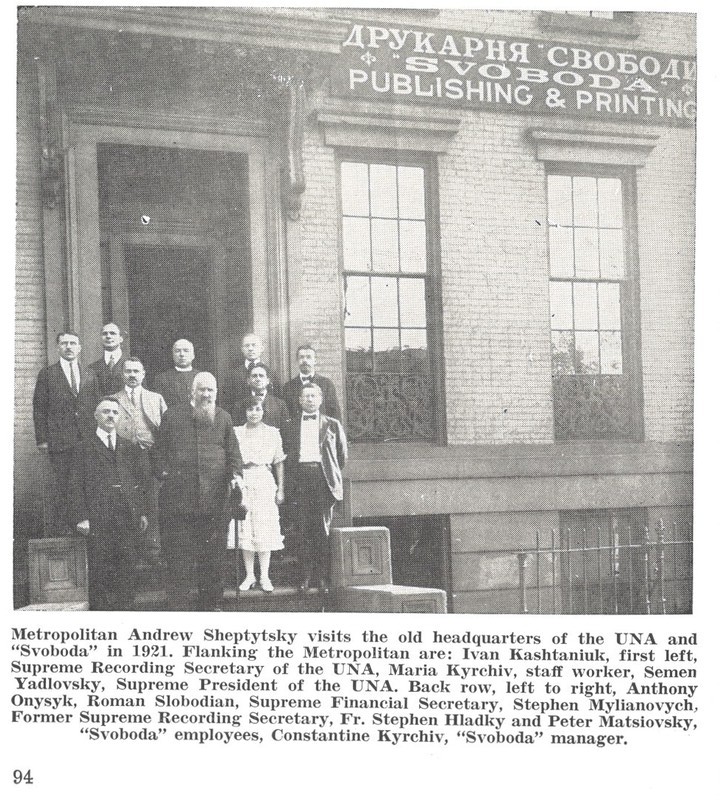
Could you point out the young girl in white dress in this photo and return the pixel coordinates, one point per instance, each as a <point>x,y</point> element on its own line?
<point>262,454</point>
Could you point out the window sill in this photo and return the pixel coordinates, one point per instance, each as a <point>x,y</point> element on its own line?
<point>623,26</point>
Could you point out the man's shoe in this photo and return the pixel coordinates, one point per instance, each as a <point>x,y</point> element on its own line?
<point>304,585</point>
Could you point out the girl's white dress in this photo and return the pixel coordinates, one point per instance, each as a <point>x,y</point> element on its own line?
<point>260,530</point>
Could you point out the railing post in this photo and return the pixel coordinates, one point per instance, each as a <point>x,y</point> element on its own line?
<point>614,565</point>
<point>523,591</point>
<point>554,576</point>
<point>584,570</point>
<point>598,555</point>
<point>660,559</point>
<point>646,570</point>
<point>630,564</point>
<point>537,571</point>
<point>568,562</point>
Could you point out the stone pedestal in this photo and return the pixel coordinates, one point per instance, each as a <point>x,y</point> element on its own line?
<point>360,557</point>
<point>58,571</point>
<point>390,599</point>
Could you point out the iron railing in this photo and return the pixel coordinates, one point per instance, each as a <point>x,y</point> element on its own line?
<point>596,572</point>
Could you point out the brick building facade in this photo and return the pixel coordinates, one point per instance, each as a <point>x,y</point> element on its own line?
<point>502,292</point>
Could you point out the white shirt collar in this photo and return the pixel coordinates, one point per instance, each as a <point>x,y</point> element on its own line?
<point>116,355</point>
<point>183,369</point>
<point>103,436</point>
<point>68,367</point>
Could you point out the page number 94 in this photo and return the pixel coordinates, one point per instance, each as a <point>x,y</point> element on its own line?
<point>22,777</point>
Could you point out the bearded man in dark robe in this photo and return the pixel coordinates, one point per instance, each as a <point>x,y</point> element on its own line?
<point>198,461</point>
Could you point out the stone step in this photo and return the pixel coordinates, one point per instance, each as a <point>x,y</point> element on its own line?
<point>283,599</point>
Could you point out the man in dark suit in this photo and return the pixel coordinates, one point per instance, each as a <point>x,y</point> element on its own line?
<point>197,460</point>
<point>109,368</point>
<point>64,402</point>
<point>306,358</point>
<point>275,412</point>
<point>316,454</point>
<point>235,391</point>
<point>109,488</point>
<point>175,385</point>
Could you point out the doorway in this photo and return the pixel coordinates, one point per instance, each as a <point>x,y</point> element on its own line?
<point>169,300</point>
<point>175,251</point>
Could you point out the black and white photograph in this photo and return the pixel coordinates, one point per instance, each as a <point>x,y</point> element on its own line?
<point>478,249</point>
<point>325,314</point>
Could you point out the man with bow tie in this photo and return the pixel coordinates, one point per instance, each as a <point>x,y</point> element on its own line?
<point>317,451</point>
<point>64,401</point>
<point>275,411</point>
<point>110,486</point>
<point>109,368</point>
<point>251,351</point>
<point>306,359</point>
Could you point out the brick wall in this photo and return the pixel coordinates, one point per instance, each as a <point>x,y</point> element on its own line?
<point>494,283</point>
<point>666,208</point>
<point>30,345</point>
<point>321,287</point>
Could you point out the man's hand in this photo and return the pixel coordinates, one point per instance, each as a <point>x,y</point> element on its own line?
<point>237,482</point>
<point>83,527</point>
<point>279,497</point>
<point>43,447</point>
<point>143,523</point>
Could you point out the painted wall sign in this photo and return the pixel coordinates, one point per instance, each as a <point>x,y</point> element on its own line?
<point>508,74</point>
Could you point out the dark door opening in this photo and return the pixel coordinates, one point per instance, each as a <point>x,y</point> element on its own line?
<point>175,252</point>
<point>169,300</point>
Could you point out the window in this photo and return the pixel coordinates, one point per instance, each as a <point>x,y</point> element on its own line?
<point>390,383</point>
<point>591,308</point>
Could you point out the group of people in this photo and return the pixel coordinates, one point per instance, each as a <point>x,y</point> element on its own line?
<point>129,462</point>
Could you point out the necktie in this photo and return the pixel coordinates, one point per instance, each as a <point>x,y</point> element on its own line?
<point>309,416</point>
<point>74,383</point>
<point>110,443</point>
<point>111,362</point>
<point>133,397</point>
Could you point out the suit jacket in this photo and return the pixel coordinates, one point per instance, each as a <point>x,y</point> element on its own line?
<point>62,419</point>
<point>110,381</point>
<point>150,408</point>
<point>333,451</point>
<point>195,464</point>
<point>175,386</point>
<point>96,471</point>
<point>236,387</point>
<point>275,412</point>
<point>330,406</point>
